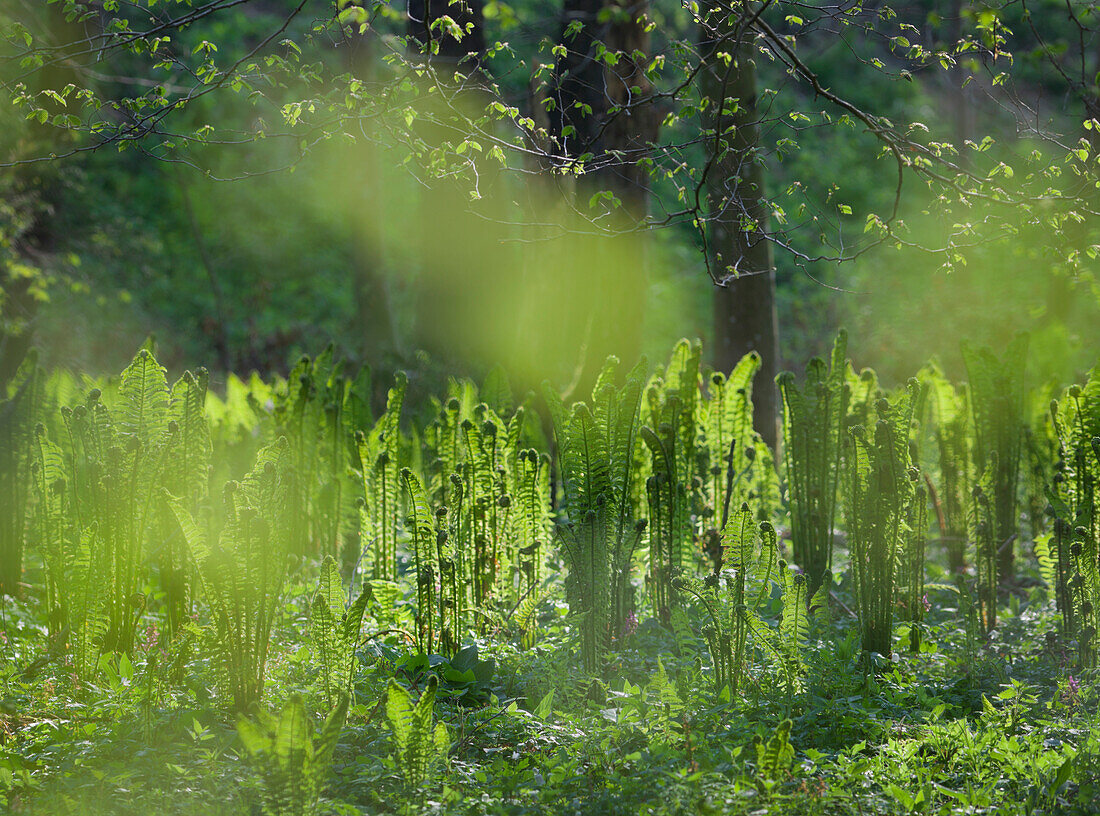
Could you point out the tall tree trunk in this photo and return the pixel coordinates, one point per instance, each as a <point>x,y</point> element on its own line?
<point>604,111</point>
<point>739,252</point>
<point>458,267</point>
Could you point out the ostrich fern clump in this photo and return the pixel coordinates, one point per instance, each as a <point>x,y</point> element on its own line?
<point>1073,552</point>
<point>312,411</point>
<point>97,518</point>
<point>597,529</point>
<point>420,747</point>
<point>733,599</point>
<point>243,574</point>
<point>813,419</point>
<point>293,758</point>
<point>997,404</point>
<point>672,406</point>
<point>880,485</point>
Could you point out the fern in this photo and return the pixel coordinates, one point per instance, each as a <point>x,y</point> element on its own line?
<point>20,409</point>
<point>335,625</point>
<point>794,625</point>
<point>187,474</point>
<point>87,611</point>
<point>732,600</point>
<point>420,748</point>
<point>294,759</point>
<point>597,529</point>
<point>954,442</point>
<point>880,489</point>
<point>422,526</point>
<point>243,575</point>
<point>997,404</point>
<point>309,411</point>
<point>1073,501</point>
<point>670,435</point>
<point>774,756</point>
<point>812,443</point>
<point>911,559</point>
<point>379,466</point>
<point>50,528</point>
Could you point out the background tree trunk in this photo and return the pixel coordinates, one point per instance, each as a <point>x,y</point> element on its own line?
<point>739,252</point>
<point>603,111</point>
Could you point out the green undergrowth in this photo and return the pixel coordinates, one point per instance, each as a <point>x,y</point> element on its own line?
<point>311,596</point>
<point>969,724</point>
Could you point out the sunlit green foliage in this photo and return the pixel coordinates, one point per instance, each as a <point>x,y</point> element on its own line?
<point>421,744</point>
<point>597,529</point>
<point>813,445</point>
<point>379,466</point>
<point>670,432</point>
<point>997,405</point>
<point>473,617</point>
<point>880,488</point>
<point>294,759</point>
<point>951,429</point>
<point>1072,554</point>
<point>335,623</point>
<point>243,574</point>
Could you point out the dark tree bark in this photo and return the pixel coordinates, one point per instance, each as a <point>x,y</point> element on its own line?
<point>739,252</point>
<point>604,111</point>
<point>458,267</point>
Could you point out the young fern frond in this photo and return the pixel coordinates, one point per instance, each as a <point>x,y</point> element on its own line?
<point>335,626</point>
<point>20,410</point>
<point>87,611</point>
<point>951,407</point>
<point>379,467</point>
<point>997,405</point>
<point>670,436</point>
<point>187,475</point>
<point>1074,496</point>
<point>775,755</point>
<point>597,530</point>
<point>421,523</point>
<point>794,625</point>
<point>50,529</point>
<point>243,576</point>
<point>732,598</point>
<point>420,748</point>
<point>294,759</point>
<point>880,486</point>
<point>813,420</point>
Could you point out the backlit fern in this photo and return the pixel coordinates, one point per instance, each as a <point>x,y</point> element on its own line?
<point>813,420</point>
<point>1072,552</point>
<point>997,405</point>
<point>420,746</point>
<point>951,430</point>
<point>293,758</point>
<point>244,572</point>
<point>732,596</point>
<point>335,622</point>
<point>670,435</point>
<point>880,487</point>
<point>98,520</point>
<point>597,530</point>
<point>20,409</point>
<point>379,467</point>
